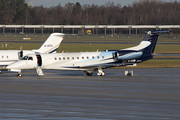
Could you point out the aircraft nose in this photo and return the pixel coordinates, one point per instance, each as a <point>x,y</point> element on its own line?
<point>10,66</point>
<point>13,66</point>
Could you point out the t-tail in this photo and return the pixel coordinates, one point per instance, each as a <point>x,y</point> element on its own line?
<point>147,45</point>
<point>51,44</point>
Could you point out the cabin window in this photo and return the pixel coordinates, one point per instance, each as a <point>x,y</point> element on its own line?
<point>63,58</point>
<point>73,58</point>
<point>87,57</point>
<point>92,57</point>
<point>77,57</point>
<point>59,58</point>
<point>55,58</point>
<point>7,56</point>
<point>2,56</point>
<point>68,58</point>
<point>82,57</point>
<point>98,57</point>
<point>102,56</point>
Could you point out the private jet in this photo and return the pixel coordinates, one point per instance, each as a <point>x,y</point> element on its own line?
<point>89,62</point>
<point>50,46</point>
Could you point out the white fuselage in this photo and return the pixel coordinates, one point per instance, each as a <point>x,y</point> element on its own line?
<point>9,56</point>
<point>67,61</point>
<point>76,61</point>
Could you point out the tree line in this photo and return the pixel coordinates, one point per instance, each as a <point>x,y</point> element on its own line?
<point>143,12</point>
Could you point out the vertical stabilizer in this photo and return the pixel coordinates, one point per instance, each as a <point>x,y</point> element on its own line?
<point>151,38</point>
<point>147,45</point>
<point>51,44</point>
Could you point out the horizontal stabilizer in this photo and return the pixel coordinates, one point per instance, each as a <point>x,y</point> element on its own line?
<point>157,32</point>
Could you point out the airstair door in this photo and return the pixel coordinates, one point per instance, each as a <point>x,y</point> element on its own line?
<point>39,64</point>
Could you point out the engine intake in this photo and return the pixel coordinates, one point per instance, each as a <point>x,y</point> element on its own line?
<point>116,55</point>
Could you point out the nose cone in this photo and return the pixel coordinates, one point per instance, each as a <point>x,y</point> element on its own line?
<point>16,65</point>
<point>8,67</point>
<point>12,66</point>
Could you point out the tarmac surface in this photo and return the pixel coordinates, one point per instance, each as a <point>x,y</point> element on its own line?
<point>152,93</point>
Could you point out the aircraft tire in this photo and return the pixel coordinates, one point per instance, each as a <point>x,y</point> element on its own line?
<point>19,75</point>
<point>101,73</point>
<point>88,73</point>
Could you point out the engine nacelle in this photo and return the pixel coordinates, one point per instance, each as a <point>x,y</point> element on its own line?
<point>118,55</point>
<point>20,54</point>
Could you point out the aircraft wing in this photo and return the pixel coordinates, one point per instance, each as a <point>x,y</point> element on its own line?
<point>102,65</point>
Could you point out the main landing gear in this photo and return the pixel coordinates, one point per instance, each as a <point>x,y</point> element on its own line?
<point>99,71</point>
<point>102,73</point>
<point>88,73</point>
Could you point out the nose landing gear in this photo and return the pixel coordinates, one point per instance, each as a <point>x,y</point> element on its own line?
<point>19,74</point>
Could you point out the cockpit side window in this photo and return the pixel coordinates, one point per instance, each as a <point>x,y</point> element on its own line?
<point>30,58</point>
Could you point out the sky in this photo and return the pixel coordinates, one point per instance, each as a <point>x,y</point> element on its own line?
<point>50,3</point>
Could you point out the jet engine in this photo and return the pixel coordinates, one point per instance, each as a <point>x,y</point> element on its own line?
<point>127,55</point>
<point>116,55</point>
<point>20,54</point>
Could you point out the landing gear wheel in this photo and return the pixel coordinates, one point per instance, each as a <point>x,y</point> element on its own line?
<point>88,73</point>
<point>101,73</point>
<point>19,75</point>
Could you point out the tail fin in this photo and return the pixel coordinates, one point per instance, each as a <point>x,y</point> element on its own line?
<point>51,44</point>
<point>151,38</point>
<point>147,45</point>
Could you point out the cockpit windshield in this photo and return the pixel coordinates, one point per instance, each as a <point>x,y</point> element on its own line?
<point>27,58</point>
